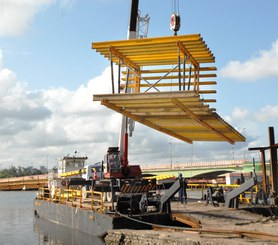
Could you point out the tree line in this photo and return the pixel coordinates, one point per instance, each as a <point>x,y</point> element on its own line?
<point>18,172</point>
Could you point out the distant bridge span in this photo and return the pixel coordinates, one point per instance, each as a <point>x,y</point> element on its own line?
<point>207,170</point>
<point>196,170</point>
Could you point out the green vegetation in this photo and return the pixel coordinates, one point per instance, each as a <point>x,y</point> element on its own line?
<point>18,172</point>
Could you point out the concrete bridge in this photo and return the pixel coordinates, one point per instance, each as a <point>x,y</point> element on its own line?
<point>32,182</point>
<point>207,170</point>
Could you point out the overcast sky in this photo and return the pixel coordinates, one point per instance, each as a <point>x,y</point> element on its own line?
<point>48,75</point>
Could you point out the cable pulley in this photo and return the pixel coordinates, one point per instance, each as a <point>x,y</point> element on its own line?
<point>175,23</point>
<point>175,20</point>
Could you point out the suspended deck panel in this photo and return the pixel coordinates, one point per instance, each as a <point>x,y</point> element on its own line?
<point>182,115</point>
<point>167,84</point>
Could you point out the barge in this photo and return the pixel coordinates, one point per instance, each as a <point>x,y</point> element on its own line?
<point>94,202</point>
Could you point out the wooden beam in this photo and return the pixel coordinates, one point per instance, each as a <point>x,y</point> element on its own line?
<point>197,119</point>
<point>144,121</point>
<point>124,58</point>
<point>188,54</point>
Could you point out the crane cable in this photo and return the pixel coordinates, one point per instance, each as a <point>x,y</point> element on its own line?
<point>175,6</point>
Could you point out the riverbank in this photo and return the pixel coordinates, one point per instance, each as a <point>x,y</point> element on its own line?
<point>220,225</point>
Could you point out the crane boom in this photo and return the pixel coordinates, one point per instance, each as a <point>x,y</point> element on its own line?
<point>132,34</point>
<point>133,19</point>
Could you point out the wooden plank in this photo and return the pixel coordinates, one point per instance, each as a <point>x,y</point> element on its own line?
<point>144,121</point>
<point>186,219</point>
<point>180,114</point>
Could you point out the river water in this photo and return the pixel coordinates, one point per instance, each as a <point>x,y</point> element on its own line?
<point>16,217</point>
<point>18,226</point>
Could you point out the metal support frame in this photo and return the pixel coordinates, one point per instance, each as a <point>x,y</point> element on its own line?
<point>112,73</point>
<point>119,76</point>
<point>153,85</point>
<point>196,78</point>
<point>273,161</point>
<point>127,79</point>
<point>184,70</point>
<point>164,201</point>
<point>136,70</point>
<point>189,76</point>
<point>230,199</point>
<point>132,67</point>
<point>263,171</point>
<point>183,49</point>
<point>179,67</point>
<point>143,26</point>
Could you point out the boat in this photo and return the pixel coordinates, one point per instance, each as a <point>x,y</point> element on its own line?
<point>96,205</point>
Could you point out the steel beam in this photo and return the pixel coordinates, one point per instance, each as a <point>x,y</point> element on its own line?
<point>273,160</point>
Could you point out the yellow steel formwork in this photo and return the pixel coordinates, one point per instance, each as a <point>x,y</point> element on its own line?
<point>180,57</point>
<point>182,115</point>
<point>170,80</point>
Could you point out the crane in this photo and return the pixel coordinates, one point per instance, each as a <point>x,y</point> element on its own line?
<point>138,28</point>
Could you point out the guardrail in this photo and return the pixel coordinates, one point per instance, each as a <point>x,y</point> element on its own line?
<point>74,198</point>
<point>191,165</point>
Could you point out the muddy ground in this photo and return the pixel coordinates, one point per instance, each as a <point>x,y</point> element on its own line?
<point>219,225</point>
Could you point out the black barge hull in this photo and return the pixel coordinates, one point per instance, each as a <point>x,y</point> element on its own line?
<point>94,223</point>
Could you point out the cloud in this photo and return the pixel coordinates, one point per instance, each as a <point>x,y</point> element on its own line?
<point>17,15</point>
<point>268,113</point>
<point>66,3</point>
<point>257,67</point>
<point>53,122</point>
<point>240,113</point>
<point>19,109</point>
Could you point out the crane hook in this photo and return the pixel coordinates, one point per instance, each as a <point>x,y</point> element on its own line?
<point>175,19</point>
<point>175,23</point>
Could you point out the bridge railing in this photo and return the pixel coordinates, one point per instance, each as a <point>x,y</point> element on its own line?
<point>178,166</point>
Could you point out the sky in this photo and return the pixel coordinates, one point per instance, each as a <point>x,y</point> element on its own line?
<point>49,73</point>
